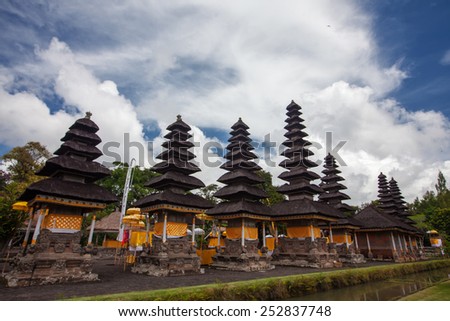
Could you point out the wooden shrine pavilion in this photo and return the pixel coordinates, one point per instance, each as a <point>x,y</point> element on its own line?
<point>304,244</point>
<point>386,232</point>
<point>173,252</point>
<point>60,202</point>
<point>241,208</point>
<point>342,232</point>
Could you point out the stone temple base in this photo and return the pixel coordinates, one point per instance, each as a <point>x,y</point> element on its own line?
<point>236,258</point>
<point>349,255</point>
<point>175,257</point>
<point>305,253</point>
<point>56,258</point>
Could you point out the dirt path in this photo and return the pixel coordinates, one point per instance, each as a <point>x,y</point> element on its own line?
<point>115,280</point>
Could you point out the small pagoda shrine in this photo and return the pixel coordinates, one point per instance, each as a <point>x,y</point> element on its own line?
<point>342,232</point>
<point>385,233</point>
<point>304,245</point>
<point>60,201</point>
<point>241,208</point>
<point>173,252</point>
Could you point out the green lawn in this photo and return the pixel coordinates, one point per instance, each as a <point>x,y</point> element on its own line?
<point>439,292</point>
<point>277,288</point>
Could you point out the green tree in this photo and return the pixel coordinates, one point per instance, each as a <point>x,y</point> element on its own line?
<point>441,185</point>
<point>208,191</point>
<point>22,162</point>
<point>267,185</point>
<point>140,176</point>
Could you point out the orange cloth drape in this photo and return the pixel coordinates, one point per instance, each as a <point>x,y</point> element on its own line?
<point>270,243</point>
<point>250,233</point>
<point>214,241</point>
<point>340,238</point>
<point>302,231</point>
<point>173,229</point>
<point>138,238</point>
<point>112,243</point>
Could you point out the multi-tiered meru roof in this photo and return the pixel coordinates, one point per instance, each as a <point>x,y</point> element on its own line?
<point>241,192</point>
<point>299,188</point>
<point>176,169</point>
<point>73,171</point>
<point>332,186</point>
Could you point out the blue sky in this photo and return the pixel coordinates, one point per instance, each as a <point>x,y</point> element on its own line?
<point>374,73</point>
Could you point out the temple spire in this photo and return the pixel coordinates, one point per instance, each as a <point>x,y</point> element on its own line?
<point>297,163</point>
<point>332,187</point>
<point>384,196</point>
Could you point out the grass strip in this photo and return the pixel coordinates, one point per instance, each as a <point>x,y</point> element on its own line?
<point>276,288</point>
<point>438,292</point>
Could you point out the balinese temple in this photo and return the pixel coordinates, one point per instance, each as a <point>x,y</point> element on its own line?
<point>385,233</point>
<point>173,252</point>
<point>382,236</point>
<point>60,202</point>
<point>304,245</point>
<point>241,209</point>
<point>342,232</point>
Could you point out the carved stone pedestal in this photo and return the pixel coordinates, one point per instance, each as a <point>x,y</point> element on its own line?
<point>234,257</point>
<point>305,253</point>
<point>348,254</point>
<point>174,257</point>
<point>56,258</point>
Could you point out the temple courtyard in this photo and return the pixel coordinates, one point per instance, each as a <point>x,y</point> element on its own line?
<point>113,279</point>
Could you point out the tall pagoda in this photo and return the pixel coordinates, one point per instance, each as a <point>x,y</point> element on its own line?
<point>173,208</point>
<point>392,203</point>
<point>342,232</point>
<point>60,201</point>
<point>304,244</point>
<point>386,202</point>
<point>241,208</point>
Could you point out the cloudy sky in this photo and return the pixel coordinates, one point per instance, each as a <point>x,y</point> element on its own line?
<point>374,74</point>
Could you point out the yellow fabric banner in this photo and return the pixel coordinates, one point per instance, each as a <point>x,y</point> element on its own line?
<point>173,229</point>
<point>112,243</point>
<point>340,238</point>
<point>250,233</point>
<point>302,231</point>
<point>138,238</point>
<point>270,243</point>
<point>214,241</point>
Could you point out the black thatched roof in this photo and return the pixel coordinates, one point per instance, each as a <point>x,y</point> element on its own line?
<point>68,189</point>
<point>92,171</point>
<point>373,218</point>
<point>85,124</point>
<point>90,138</point>
<point>176,169</point>
<point>331,187</point>
<point>241,176</point>
<point>168,197</point>
<point>242,191</point>
<point>174,179</point>
<point>386,202</point>
<point>305,207</point>
<point>298,176</point>
<point>74,147</point>
<point>240,207</point>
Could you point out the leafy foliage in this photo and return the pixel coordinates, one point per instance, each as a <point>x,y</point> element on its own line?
<point>140,176</point>
<point>267,185</point>
<point>21,162</point>
<point>432,211</point>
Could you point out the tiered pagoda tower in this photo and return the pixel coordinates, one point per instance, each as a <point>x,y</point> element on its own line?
<point>304,244</point>
<point>386,203</point>
<point>60,201</point>
<point>332,187</point>
<point>173,252</point>
<point>342,232</point>
<point>401,210</point>
<point>241,207</point>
